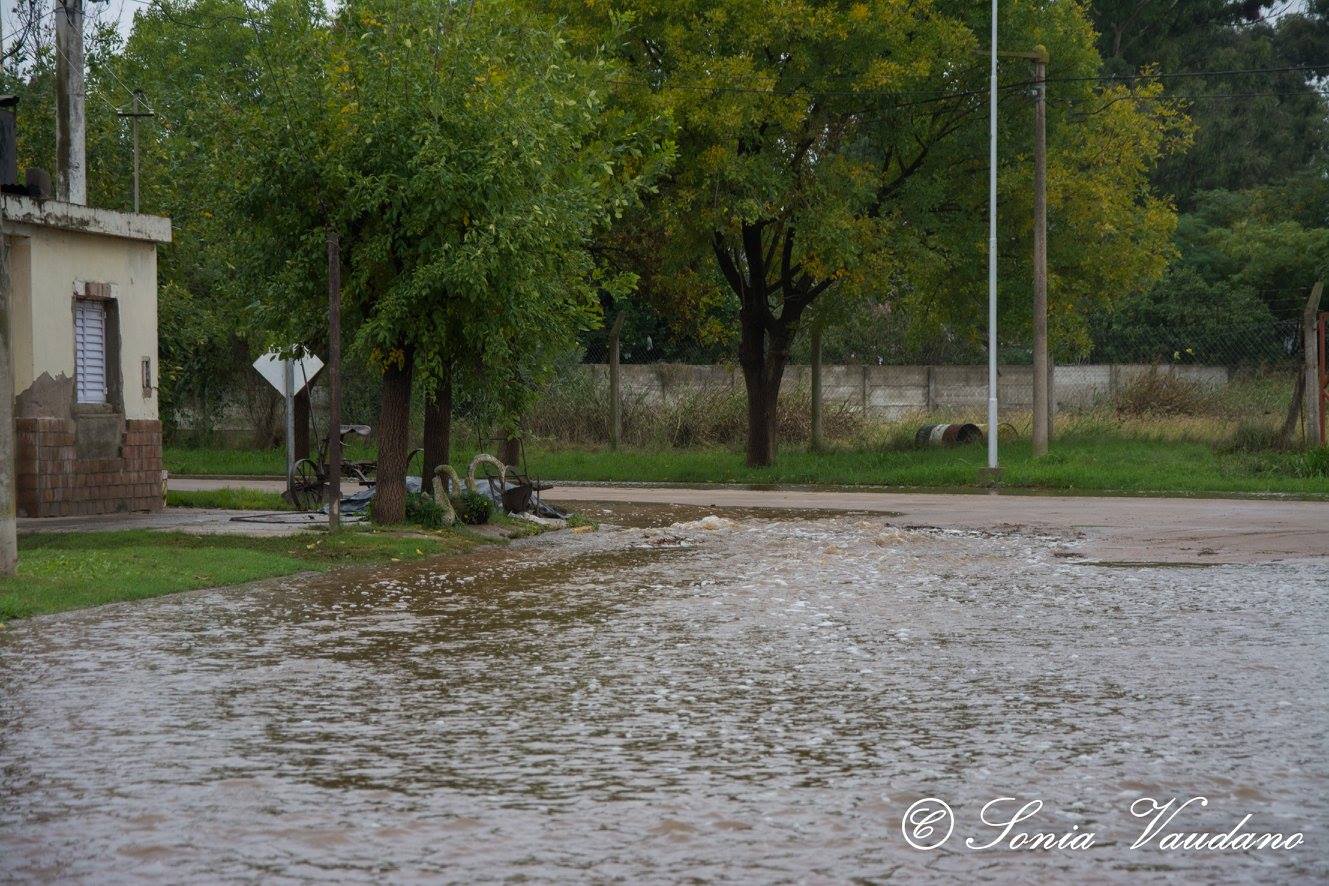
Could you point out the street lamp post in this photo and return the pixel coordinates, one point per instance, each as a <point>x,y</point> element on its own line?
<point>992,257</point>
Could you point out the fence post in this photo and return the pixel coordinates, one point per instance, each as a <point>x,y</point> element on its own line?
<point>1052,396</point>
<point>615,401</point>
<point>1311,386</point>
<point>816,387</point>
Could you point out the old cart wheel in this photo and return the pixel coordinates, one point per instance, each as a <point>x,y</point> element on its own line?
<point>306,486</point>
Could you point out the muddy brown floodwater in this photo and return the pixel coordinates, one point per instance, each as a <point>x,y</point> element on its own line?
<point>759,701</point>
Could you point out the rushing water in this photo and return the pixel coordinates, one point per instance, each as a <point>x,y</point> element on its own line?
<point>759,701</point>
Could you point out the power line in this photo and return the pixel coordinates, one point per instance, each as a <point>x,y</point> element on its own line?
<point>869,93</point>
<point>1104,78</point>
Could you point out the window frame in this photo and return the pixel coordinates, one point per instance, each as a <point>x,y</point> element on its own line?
<point>104,294</point>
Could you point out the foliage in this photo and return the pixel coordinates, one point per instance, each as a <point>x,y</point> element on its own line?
<point>1252,436</point>
<point>1236,293</point>
<point>423,510</point>
<point>472,508</point>
<point>1251,128</point>
<point>465,157</point>
<point>1186,319</point>
<point>829,147</point>
<point>1161,393</point>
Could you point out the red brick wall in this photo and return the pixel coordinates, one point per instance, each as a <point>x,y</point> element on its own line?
<point>54,482</point>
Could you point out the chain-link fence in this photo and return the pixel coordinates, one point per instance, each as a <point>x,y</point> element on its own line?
<point>1149,382</point>
<point>1230,379</point>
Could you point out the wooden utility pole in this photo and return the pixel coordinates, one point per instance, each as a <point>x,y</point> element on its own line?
<point>334,379</point>
<point>70,121</point>
<point>134,116</point>
<point>615,400</point>
<point>817,443</point>
<point>8,503</point>
<point>1042,367</point>
<point>1042,387</point>
<point>1311,367</point>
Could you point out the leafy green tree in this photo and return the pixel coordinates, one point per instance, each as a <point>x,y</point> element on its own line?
<point>1187,319</point>
<point>1236,293</point>
<point>1251,128</point>
<point>842,145</point>
<point>467,160</point>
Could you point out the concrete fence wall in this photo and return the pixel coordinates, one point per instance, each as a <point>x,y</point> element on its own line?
<point>894,391</point>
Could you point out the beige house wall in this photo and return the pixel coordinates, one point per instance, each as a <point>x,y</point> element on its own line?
<point>58,264</point>
<point>83,458</point>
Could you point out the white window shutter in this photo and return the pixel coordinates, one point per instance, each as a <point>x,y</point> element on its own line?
<point>90,351</point>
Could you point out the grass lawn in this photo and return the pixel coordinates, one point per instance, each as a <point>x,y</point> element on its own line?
<point>243,462</point>
<point>59,571</point>
<point>1083,462</point>
<point>229,499</point>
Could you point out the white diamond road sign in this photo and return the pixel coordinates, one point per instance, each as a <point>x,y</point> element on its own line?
<point>273,368</point>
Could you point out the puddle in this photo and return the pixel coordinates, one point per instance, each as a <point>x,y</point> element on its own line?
<point>758,699</point>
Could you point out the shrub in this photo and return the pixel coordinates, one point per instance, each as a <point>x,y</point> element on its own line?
<point>1159,393</point>
<point>472,508</point>
<point>1253,437</point>
<point>1315,463</point>
<point>423,510</point>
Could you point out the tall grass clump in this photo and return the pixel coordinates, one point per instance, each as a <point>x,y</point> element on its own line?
<point>575,409</point>
<point>1155,393</point>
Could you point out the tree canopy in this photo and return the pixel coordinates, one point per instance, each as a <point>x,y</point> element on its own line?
<point>466,158</point>
<point>839,146</point>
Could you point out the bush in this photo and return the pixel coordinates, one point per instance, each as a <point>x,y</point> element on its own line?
<point>1253,437</point>
<point>422,510</point>
<point>1316,463</point>
<point>1160,393</point>
<point>472,508</point>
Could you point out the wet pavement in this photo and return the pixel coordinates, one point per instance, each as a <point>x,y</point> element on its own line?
<point>759,699</point>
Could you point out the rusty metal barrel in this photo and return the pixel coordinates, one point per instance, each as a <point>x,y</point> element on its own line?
<point>948,435</point>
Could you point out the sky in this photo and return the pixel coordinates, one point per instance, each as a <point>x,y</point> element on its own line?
<point>122,12</point>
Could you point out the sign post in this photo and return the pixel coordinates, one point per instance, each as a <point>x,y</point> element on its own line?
<point>288,386</point>
<point>289,377</point>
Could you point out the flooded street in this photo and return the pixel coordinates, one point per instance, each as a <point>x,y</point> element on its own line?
<point>759,699</point>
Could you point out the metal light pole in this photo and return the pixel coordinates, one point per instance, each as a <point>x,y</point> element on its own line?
<point>334,379</point>
<point>992,257</point>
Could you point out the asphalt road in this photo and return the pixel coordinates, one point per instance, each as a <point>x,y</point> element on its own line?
<point>1119,528</point>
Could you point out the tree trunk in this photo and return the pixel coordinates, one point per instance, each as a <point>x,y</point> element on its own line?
<point>393,420</point>
<point>763,370</point>
<point>302,410</point>
<point>438,431</point>
<point>510,452</point>
<point>752,358</point>
<point>764,336</point>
